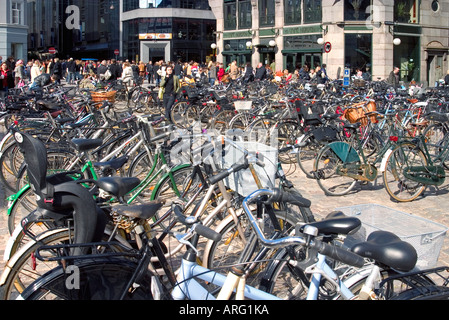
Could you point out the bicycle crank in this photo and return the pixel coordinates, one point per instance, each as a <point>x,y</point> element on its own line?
<point>362,172</point>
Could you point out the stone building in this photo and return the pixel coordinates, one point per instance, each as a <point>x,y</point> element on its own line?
<point>13,29</point>
<point>374,34</point>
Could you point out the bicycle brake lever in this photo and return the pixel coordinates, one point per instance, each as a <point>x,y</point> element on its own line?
<point>182,238</point>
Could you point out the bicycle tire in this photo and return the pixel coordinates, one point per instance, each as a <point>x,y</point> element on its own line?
<point>397,185</point>
<point>99,279</point>
<point>327,177</point>
<point>307,154</point>
<point>139,168</point>
<point>164,190</point>
<point>436,134</point>
<point>8,174</point>
<point>424,293</point>
<point>287,132</point>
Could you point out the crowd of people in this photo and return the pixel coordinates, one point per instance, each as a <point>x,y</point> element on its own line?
<point>91,74</point>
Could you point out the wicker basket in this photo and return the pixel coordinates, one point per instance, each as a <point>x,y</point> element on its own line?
<point>356,112</point>
<point>103,96</point>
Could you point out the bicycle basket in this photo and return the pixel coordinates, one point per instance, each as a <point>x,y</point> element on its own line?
<point>325,134</point>
<point>243,181</point>
<point>242,105</point>
<point>356,112</point>
<point>426,236</point>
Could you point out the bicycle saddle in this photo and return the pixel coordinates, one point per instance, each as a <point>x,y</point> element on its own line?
<point>114,164</point>
<point>142,211</point>
<point>48,105</point>
<point>388,249</point>
<point>86,144</point>
<point>355,125</point>
<point>118,186</point>
<point>335,226</point>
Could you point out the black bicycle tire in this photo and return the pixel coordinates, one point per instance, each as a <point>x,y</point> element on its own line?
<point>95,276</point>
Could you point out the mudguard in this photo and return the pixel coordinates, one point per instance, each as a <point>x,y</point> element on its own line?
<point>344,151</point>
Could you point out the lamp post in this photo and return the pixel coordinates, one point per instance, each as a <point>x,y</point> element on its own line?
<point>214,48</point>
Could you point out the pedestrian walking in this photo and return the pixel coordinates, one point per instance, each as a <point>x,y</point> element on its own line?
<point>7,79</point>
<point>71,70</point>
<point>19,74</point>
<point>394,78</point>
<point>169,88</point>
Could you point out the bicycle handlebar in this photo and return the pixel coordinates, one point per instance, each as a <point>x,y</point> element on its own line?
<point>329,250</point>
<point>197,227</point>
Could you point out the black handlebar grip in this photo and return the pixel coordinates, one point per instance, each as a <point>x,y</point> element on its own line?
<point>207,232</point>
<point>296,199</point>
<point>339,254</point>
<point>178,212</point>
<point>223,174</point>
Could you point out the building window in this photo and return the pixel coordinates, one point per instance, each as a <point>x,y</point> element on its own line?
<point>245,15</point>
<point>406,11</point>
<point>230,13</point>
<point>266,13</point>
<point>361,57</point>
<point>357,10</point>
<point>435,6</point>
<point>292,11</point>
<point>16,13</point>
<point>312,11</point>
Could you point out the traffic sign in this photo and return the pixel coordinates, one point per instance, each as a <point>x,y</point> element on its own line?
<point>51,50</point>
<point>327,47</point>
<point>116,52</point>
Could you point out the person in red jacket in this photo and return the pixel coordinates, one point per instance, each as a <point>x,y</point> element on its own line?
<point>221,71</point>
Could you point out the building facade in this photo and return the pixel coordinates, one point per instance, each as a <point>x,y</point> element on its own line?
<point>153,30</point>
<point>374,34</point>
<point>13,29</point>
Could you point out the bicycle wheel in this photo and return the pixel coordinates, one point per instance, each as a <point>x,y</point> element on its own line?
<point>180,185</point>
<point>261,130</point>
<point>424,293</point>
<point>287,132</point>
<point>242,120</point>
<point>20,207</point>
<point>307,154</point>
<point>140,168</point>
<point>8,172</point>
<point>397,176</point>
<point>99,279</point>
<point>436,135</point>
<point>328,170</point>
<point>24,268</point>
<point>220,121</point>
<point>184,114</point>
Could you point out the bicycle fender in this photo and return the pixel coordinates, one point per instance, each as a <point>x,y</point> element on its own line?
<point>383,164</point>
<point>165,176</point>
<point>12,199</point>
<point>344,151</point>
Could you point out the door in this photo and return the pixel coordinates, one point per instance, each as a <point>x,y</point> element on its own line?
<point>435,70</point>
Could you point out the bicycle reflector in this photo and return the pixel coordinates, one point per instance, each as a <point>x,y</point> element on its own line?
<point>394,138</point>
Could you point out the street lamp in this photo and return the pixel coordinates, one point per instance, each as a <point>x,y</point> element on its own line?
<point>214,47</point>
<point>396,41</point>
<point>249,44</point>
<point>320,41</point>
<point>272,43</point>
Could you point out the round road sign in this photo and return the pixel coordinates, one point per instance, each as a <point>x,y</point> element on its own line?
<point>327,47</point>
